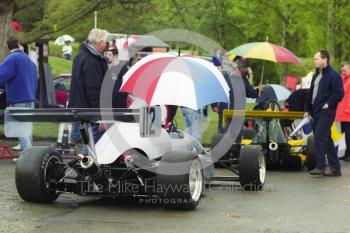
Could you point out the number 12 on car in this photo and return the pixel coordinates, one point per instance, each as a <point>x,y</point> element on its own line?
<point>150,121</point>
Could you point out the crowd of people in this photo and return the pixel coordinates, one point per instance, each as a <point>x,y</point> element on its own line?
<point>327,100</point>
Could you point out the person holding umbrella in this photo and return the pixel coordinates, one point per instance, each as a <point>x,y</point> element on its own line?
<point>67,50</point>
<point>343,110</point>
<point>239,69</point>
<point>326,92</point>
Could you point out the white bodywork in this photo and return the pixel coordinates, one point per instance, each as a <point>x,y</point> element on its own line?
<point>122,136</point>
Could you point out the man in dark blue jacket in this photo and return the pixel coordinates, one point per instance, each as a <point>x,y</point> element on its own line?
<point>89,69</point>
<point>19,76</point>
<point>325,93</point>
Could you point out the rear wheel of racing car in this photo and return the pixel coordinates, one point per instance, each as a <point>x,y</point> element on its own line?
<point>35,167</point>
<point>180,180</point>
<point>310,153</point>
<point>252,167</point>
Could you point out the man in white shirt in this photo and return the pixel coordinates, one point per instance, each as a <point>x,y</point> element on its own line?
<point>67,50</point>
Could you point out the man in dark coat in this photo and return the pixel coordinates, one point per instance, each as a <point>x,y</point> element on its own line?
<point>89,68</point>
<point>325,93</point>
<point>296,102</point>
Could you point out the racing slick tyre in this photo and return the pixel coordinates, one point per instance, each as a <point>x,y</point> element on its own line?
<point>252,167</point>
<point>310,153</point>
<point>180,180</point>
<point>35,167</point>
<point>214,141</point>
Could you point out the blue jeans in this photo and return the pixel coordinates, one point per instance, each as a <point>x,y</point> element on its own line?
<point>67,56</point>
<point>193,122</point>
<point>25,142</point>
<point>76,135</point>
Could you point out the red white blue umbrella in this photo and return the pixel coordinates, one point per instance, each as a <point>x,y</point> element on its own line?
<point>164,79</point>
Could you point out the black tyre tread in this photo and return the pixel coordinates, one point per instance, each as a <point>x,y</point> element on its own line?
<point>30,174</point>
<point>172,161</point>
<point>249,167</point>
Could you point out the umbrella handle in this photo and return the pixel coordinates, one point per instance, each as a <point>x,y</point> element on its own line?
<point>260,89</point>
<point>262,72</point>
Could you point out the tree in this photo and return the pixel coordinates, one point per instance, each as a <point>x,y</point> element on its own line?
<point>7,9</point>
<point>54,16</point>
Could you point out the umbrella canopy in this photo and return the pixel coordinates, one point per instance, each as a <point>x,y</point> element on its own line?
<point>272,92</point>
<point>164,79</point>
<point>60,40</point>
<point>265,51</point>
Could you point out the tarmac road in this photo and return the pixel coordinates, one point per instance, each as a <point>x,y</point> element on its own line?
<point>292,201</point>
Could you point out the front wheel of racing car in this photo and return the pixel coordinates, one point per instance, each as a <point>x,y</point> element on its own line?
<point>310,153</point>
<point>252,167</point>
<point>180,180</point>
<point>35,168</point>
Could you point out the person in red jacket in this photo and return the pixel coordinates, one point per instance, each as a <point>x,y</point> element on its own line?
<point>16,26</point>
<point>343,109</point>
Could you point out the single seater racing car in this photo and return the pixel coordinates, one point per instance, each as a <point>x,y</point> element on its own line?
<point>134,157</point>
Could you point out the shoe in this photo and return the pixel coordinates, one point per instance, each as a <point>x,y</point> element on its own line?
<point>332,172</point>
<point>18,147</point>
<point>317,172</point>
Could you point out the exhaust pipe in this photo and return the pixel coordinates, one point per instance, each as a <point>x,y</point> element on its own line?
<point>273,146</point>
<point>88,164</point>
<point>95,173</point>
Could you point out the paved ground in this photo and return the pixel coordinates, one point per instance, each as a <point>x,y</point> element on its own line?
<point>292,201</point>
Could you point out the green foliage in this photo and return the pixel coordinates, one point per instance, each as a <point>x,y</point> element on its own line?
<point>41,130</point>
<point>56,50</point>
<point>59,65</point>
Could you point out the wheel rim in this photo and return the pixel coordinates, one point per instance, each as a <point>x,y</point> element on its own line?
<point>49,169</point>
<point>196,180</point>
<point>262,168</point>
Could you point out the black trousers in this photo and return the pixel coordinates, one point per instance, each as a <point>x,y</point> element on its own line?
<point>345,128</point>
<point>321,125</point>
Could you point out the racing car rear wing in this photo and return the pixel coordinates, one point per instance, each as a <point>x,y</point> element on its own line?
<point>228,114</point>
<point>18,122</point>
